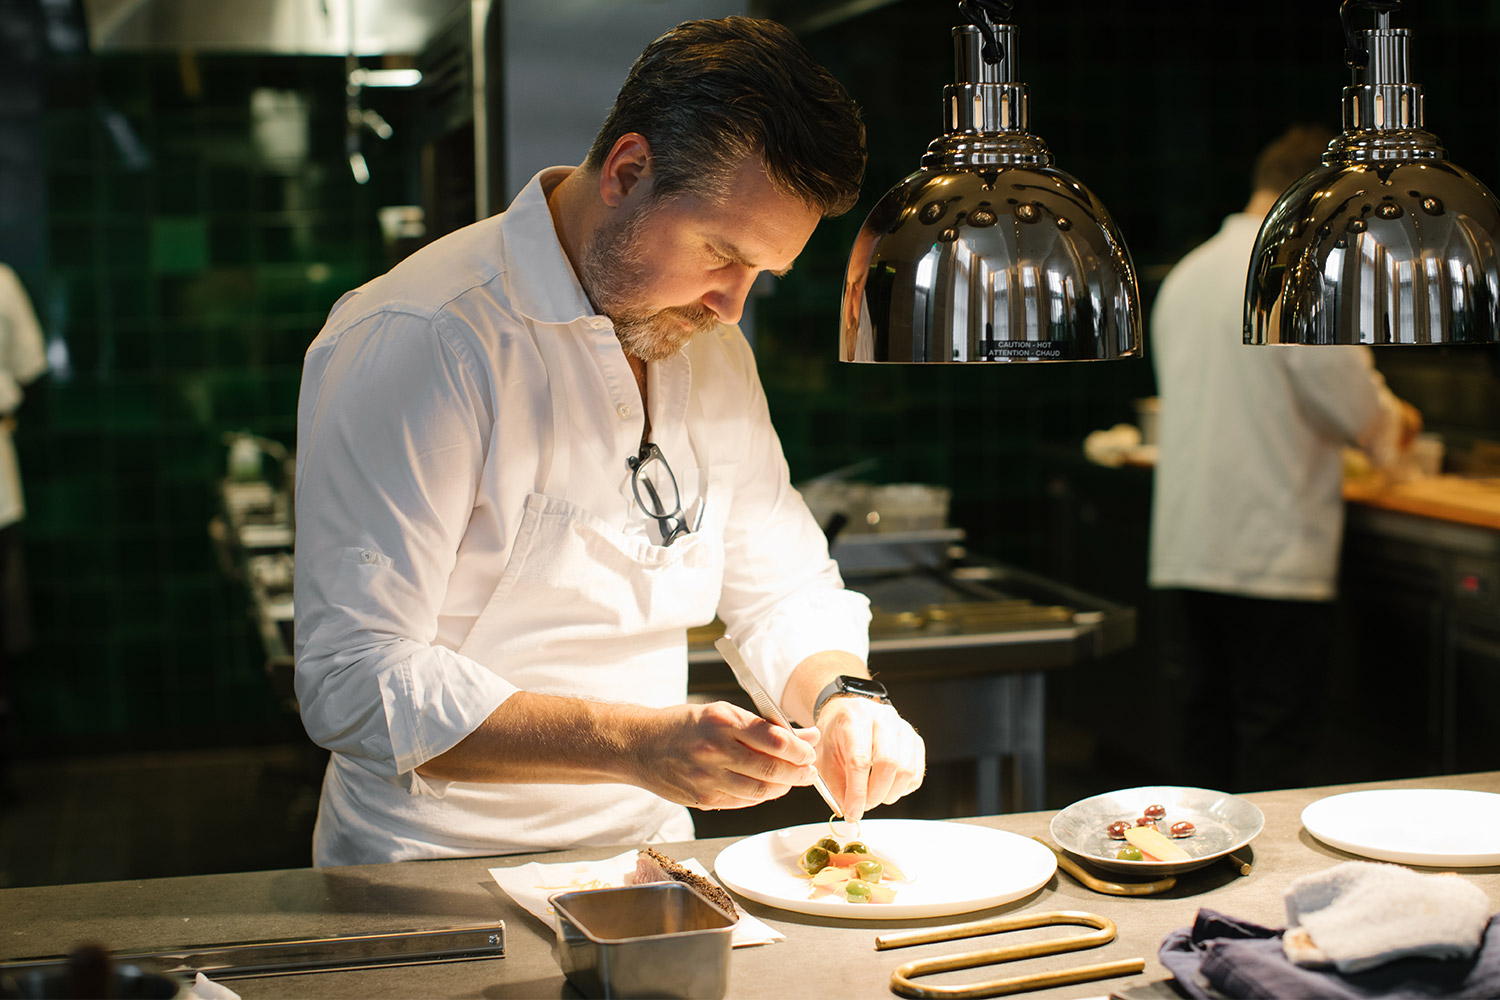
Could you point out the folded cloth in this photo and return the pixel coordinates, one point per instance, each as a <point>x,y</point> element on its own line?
<point>204,988</point>
<point>1221,956</point>
<point>1361,914</point>
<point>533,884</point>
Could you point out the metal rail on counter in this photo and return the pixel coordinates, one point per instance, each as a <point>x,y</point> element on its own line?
<point>294,956</point>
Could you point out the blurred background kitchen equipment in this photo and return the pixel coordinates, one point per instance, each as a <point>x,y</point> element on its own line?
<point>964,642</point>
<point>253,534</point>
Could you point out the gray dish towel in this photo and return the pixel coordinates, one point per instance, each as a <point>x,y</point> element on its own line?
<point>1361,914</point>
<point>1221,956</point>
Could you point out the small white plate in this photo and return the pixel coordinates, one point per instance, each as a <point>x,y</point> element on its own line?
<point>953,868</point>
<point>1440,827</point>
<point>1224,823</point>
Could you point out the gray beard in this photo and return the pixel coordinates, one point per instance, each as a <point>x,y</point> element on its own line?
<point>611,268</point>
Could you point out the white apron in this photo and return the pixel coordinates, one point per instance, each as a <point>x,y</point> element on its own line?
<point>581,609</point>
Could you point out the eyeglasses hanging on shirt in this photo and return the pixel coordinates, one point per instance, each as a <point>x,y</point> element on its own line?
<point>656,493</point>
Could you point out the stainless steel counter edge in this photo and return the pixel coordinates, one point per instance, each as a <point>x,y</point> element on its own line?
<point>819,958</point>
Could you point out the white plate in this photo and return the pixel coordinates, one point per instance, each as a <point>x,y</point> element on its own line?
<point>1224,823</point>
<point>1441,827</point>
<point>953,867</point>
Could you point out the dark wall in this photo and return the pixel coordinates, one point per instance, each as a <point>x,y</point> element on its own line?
<point>184,277</point>
<point>1159,108</point>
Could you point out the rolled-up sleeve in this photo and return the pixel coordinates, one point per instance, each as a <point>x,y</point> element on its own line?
<point>393,428</point>
<point>783,598</point>
<point>1346,398</point>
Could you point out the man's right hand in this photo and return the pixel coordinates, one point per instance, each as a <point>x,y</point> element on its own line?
<point>719,756</point>
<point>714,756</point>
<point>1411,424</point>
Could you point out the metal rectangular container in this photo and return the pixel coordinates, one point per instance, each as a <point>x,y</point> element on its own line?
<point>660,939</point>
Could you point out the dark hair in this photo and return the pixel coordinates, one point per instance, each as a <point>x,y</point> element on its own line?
<point>1289,156</point>
<point>709,93</point>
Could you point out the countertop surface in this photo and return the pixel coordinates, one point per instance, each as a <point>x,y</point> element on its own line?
<point>1472,501</point>
<point>820,957</point>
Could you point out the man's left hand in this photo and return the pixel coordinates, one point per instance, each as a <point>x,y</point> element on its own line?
<point>868,754</point>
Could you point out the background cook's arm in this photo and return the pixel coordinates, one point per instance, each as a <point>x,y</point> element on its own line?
<point>1346,396</point>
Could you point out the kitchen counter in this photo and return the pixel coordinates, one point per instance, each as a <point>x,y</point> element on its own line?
<point>819,958</point>
<point>1459,499</point>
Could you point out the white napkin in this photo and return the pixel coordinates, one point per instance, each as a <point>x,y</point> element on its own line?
<point>1361,914</point>
<point>204,988</point>
<point>532,884</point>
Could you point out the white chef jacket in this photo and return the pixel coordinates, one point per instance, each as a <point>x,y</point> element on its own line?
<point>424,424</point>
<point>23,359</point>
<point>1248,488</point>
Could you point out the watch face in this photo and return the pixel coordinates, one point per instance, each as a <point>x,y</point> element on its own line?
<point>858,685</point>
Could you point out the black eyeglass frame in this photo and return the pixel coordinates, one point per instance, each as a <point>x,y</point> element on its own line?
<point>673,525</point>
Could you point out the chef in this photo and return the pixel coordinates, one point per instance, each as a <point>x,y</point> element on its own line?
<point>536,452</point>
<point>1247,510</point>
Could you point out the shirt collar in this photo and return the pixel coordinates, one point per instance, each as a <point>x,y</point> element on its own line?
<point>550,292</point>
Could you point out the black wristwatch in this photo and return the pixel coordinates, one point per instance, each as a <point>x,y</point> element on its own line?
<point>862,687</point>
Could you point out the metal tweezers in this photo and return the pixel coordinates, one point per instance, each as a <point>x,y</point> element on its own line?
<point>901,979</point>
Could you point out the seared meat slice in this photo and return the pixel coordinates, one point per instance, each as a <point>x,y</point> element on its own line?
<point>653,866</point>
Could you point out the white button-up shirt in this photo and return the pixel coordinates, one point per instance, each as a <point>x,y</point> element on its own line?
<point>423,425</point>
<point>1248,491</point>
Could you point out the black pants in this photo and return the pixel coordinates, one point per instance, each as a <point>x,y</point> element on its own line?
<point>15,633</point>
<point>1254,673</point>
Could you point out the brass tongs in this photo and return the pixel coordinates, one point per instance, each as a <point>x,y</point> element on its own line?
<point>901,978</point>
<point>1091,881</point>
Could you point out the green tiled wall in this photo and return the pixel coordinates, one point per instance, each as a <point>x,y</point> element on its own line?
<point>185,286</point>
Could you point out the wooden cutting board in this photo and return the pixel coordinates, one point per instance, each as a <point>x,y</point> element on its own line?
<point>1451,498</point>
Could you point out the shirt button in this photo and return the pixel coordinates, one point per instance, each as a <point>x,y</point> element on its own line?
<point>597,324</point>
<point>367,556</point>
<point>624,411</point>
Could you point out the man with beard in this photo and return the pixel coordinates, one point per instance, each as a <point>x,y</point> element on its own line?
<point>536,452</point>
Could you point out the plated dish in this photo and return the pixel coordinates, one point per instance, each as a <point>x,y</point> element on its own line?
<point>950,867</point>
<point>1441,827</point>
<point>1222,823</point>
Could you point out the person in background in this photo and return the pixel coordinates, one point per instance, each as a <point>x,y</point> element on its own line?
<point>1247,509</point>
<point>536,452</point>
<point>23,360</point>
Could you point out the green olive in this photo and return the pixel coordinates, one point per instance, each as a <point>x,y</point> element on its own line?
<point>814,860</point>
<point>870,871</point>
<point>1129,854</point>
<point>829,844</point>
<point>856,847</point>
<point>857,892</point>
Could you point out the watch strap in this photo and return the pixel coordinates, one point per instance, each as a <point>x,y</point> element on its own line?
<point>849,687</point>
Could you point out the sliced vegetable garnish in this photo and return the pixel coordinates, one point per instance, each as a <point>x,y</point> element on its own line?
<point>851,871</point>
<point>836,818</point>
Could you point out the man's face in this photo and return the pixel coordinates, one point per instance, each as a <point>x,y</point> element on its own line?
<point>664,271</point>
